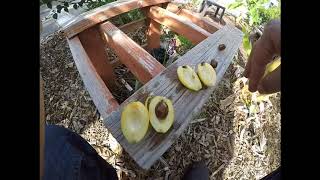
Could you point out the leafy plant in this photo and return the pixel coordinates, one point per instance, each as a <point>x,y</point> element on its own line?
<point>185,42</point>
<point>130,16</point>
<point>258,14</point>
<point>246,41</point>
<point>95,4</point>
<point>63,5</point>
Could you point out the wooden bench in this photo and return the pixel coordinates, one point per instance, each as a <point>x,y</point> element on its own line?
<point>88,35</point>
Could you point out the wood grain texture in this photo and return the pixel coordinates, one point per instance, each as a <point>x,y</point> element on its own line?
<point>186,102</point>
<point>178,24</point>
<point>116,62</point>
<point>93,44</point>
<point>103,13</point>
<point>153,35</point>
<point>138,60</point>
<point>100,94</point>
<point>132,26</point>
<point>194,18</point>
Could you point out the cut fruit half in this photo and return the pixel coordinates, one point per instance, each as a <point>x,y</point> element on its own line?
<point>272,66</point>
<point>207,74</point>
<point>148,100</point>
<point>134,122</point>
<point>189,78</point>
<point>161,113</point>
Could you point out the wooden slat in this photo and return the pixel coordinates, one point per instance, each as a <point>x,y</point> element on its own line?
<point>132,26</point>
<point>153,35</point>
<point>177,24</point>
<point>195,18</point>
<point>186,103</point>
<point>100,94</point>
<point>116,62</point>
<point>138,60</point>
<point>95,48</point>
<point>103,13</point>
<point>153,32</point>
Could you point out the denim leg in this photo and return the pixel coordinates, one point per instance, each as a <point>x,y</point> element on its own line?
<point>69,156</point>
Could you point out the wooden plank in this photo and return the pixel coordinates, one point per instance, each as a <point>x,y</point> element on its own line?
<point>178,24</point>
<point>153,35</point>
<point>186,103</point>
<point>153,32</point>
<point>116,63</point>
<point>95,48</point>
<point>138,60</point>
<point>132,26</point>
<point>196,18</point>
<point>100,94</point>
<point>103,13</point>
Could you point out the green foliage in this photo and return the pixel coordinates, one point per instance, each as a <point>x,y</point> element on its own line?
<point>235,5</point>
<point>94,4</point>
<point>258,15</point>
<point>185,42</point>
<point>257,12</point>
<point>131,16</point>
<point>246,42</point>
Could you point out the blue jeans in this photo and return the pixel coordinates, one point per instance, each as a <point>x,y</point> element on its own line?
<point>69,156</point>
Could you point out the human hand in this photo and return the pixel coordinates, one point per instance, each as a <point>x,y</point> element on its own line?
<point>262,53</point>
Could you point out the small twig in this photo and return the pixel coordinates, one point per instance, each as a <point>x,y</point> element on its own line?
<point>127,171</point>
<point>163,162</point>
<point>198,120</point>
<point>216,171</point>
<point>129,88</point>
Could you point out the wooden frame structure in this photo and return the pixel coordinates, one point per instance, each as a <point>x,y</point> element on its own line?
<point>88,35</point>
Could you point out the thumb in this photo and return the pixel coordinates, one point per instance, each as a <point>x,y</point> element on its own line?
<point>271,83</point>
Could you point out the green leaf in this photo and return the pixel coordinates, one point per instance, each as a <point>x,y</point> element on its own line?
<point>246,41</point>
<point>75,6</point>
<point>59,7</point>
<point>250,21</point>
<point>66,4</point>
<point>246,44</point>
<point>235,5</point>
<point>55,16</point>
<point>49,5</point>
<point>80,4</point>
<point>65,9</point>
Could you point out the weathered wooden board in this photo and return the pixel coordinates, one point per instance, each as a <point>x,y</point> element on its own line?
<point>103,13</point>
<point>139,61</point>
<point>132,26</point>
<point>195,18</point>
<point>95,48</point>
<point>178,24</point>
<point>186,102</point>
<point>153,35</point>
<point>100,94</point>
